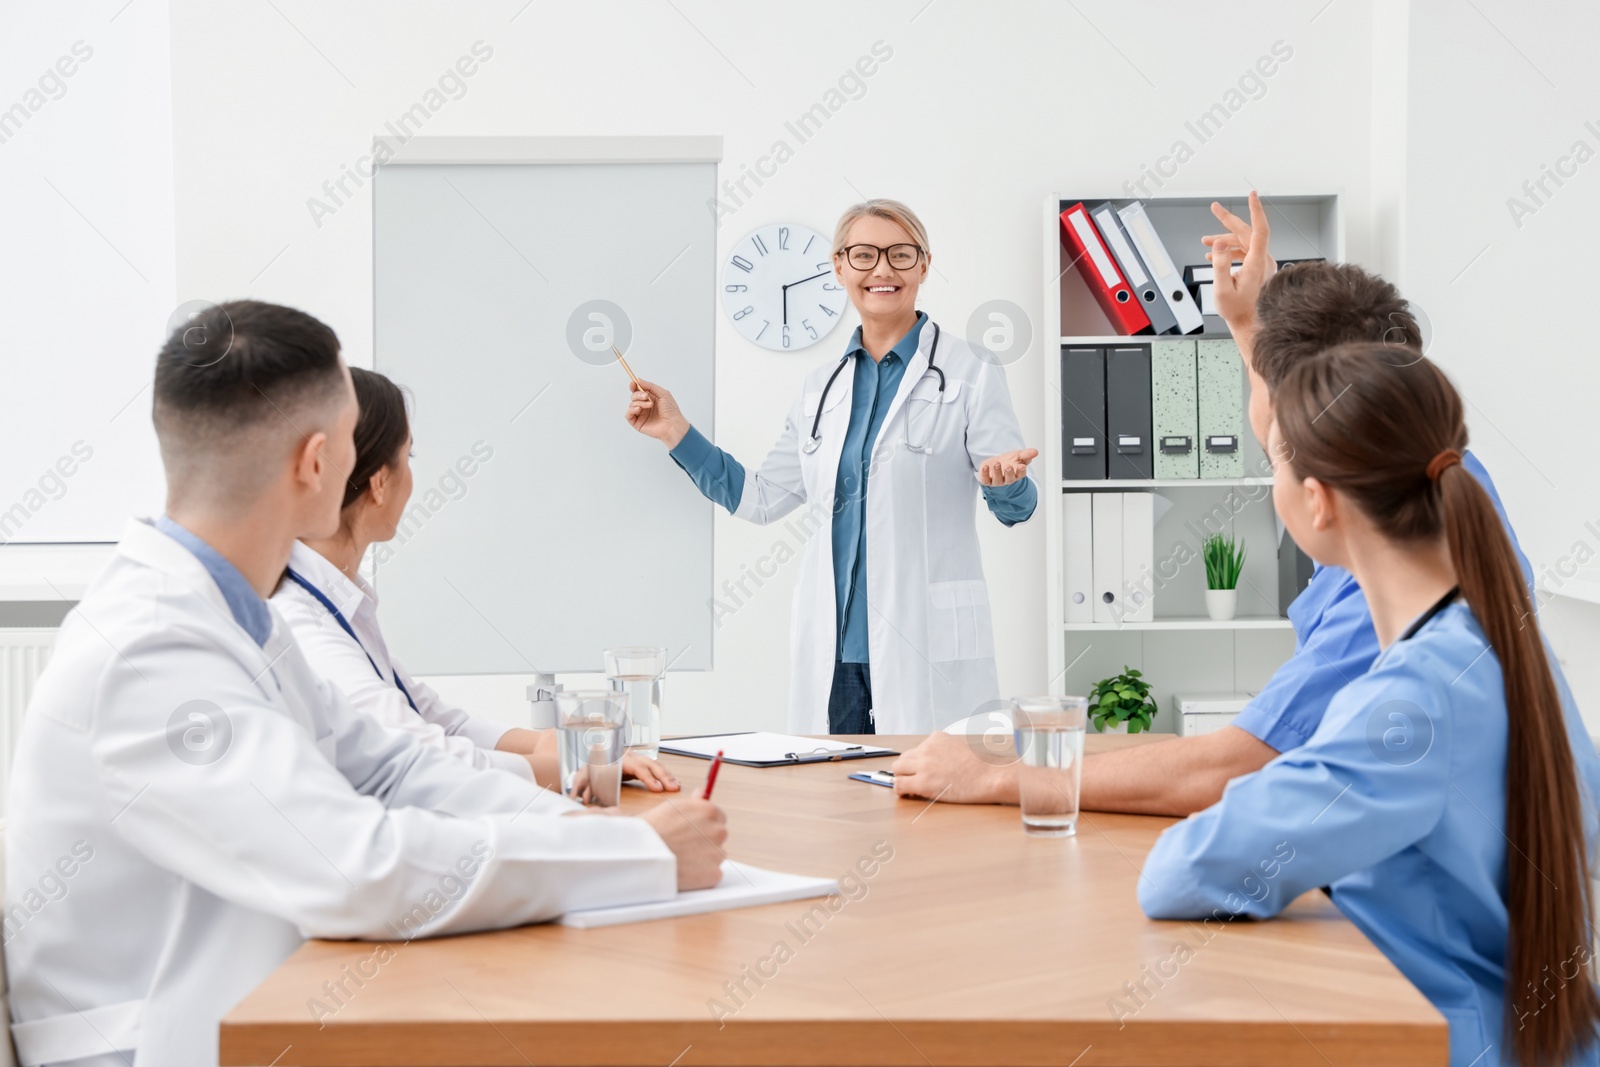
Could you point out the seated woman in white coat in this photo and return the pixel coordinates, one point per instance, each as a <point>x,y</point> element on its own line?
<point>1447,797</point>
<point>888,449</point>
<point>220,801</point>
<point>333,611</point>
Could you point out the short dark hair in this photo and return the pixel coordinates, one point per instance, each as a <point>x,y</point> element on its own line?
<point>233,365</point>
<point>382,429</point>
<point>1307,308</point>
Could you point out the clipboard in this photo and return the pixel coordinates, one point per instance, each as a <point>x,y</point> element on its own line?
<point>756,748</point>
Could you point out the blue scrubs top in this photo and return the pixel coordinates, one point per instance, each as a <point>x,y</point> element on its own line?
<point>1398,802</point>
<point>1334,645</point>
<point>721,478</point>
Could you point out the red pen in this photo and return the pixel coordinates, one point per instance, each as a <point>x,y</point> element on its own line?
<point>711,776</point>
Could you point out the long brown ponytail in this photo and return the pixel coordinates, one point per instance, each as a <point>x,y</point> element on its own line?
<point>1385,428</point>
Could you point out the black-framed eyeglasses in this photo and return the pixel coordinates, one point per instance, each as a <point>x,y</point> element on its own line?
<point>865,257</point>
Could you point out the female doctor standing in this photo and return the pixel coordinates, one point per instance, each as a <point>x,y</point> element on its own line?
<point>891,630</point>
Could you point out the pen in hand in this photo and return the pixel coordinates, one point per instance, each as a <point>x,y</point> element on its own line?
<point>711,776</point>
<point>634,378</point>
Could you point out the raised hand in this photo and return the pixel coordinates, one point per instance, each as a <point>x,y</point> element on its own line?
<point>1236,293</point>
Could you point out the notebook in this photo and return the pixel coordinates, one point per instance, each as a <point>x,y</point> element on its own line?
<point>760,749</point>
<point>742,886</point>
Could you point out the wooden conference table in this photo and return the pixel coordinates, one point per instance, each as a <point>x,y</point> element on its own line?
<point>974,946</point>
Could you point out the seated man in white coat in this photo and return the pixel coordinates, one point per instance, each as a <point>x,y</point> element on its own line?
<point>217,802</point>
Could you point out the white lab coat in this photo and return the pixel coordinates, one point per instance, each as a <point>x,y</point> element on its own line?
<point>201,877</point>
<point>364,672</point>
<point>930,639</point>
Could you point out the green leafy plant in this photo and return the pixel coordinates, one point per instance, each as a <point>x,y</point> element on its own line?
<point>1122,698</point>
<point>1224,560</point>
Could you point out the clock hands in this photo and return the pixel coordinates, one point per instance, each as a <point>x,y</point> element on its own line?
<point>802,281</point>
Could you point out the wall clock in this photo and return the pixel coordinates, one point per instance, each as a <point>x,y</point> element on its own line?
<point>779,288</point>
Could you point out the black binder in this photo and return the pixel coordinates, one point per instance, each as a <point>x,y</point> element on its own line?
<point>1083,414</point>
<point>1294,572</point>
<point>1128,441</point>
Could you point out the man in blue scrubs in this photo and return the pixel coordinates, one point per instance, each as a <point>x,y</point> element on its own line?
<point>1277,318</point>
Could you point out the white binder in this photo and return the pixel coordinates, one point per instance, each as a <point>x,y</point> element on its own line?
<point>1167,276</point>
<point>1079,556</point>
<point>1107,569</point>
<point>1138,557</point>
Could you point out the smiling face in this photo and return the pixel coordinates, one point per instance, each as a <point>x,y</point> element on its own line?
<point>882,293</point>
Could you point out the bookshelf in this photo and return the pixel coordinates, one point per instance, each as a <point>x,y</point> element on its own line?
<point>1182,649</point>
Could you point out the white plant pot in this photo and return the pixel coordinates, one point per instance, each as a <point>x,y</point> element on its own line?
<point>1222,604</point>
<point>1119,728</point>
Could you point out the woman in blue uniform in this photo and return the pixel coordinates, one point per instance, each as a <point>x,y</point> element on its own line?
<point>1454,834</point>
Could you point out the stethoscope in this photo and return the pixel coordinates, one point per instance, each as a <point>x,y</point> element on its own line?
<point>338,617</point>
<point>815,440</point>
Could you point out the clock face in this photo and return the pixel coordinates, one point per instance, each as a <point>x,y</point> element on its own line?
<point>779,288</point>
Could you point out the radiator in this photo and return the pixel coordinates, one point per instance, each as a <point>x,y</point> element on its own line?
<point>23,654</point>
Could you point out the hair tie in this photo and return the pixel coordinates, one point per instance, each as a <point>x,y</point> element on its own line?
<point>1438,464</point>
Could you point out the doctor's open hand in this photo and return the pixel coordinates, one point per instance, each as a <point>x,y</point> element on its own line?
<point>1006,468</point>
<point>694,830</point>
<point>654,413</point>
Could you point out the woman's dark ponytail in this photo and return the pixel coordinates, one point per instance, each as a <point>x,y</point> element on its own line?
<point>1388,432</point>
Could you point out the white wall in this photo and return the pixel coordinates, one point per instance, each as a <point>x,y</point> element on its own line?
<point>982,111</point>
<point>87,270</point>
<point>1498,93</point>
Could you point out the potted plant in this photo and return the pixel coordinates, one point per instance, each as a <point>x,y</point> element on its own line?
<point>1121,704</point>
<point>1224,560</point>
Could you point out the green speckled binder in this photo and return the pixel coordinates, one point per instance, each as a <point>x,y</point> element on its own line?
<point>1175,408</point>
<point>1221,378</point>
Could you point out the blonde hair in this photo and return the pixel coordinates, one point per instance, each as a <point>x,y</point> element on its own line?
<point>879,208</point>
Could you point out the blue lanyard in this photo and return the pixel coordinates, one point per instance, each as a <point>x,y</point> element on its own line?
<point>338,617</point>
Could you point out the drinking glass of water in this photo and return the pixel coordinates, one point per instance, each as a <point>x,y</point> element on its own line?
<point>637,672</point>
<point>591,724</point>
<point>1049,735</point>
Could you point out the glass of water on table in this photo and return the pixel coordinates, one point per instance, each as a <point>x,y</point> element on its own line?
<point>1049,736</point>
<point>637,672</point>
<point>591,724</point>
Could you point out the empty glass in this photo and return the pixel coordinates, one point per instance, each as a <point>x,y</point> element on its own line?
<point>1049,735</point>
<point>591,723</point>
<point>637,672</point>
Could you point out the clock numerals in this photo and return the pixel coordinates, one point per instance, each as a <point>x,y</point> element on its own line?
<point>781,296</point>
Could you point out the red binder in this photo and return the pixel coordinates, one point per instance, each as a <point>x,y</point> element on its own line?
<point>1093,260</point>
